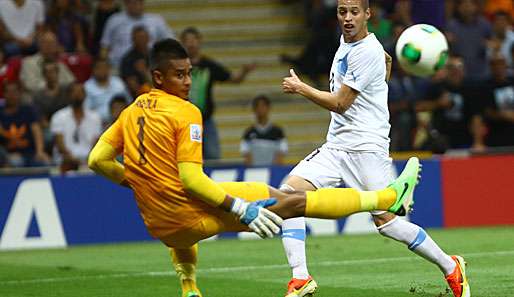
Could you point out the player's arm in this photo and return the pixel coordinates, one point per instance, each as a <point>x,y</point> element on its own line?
<point>243,73</point>
<point>188,139</point>
<point>260,220</point>
<point>198,184</point>
<point>102,158</point>
<point>389,65</point>
<point>337,102</point>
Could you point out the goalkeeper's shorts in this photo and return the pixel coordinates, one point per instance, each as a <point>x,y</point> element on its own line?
<point>216,220</point>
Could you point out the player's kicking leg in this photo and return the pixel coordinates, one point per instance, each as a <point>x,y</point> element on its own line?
<point>302,284</point>
<point>336,203</point>
<point>418,241</point>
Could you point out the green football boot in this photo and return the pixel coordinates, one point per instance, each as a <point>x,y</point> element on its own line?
<point>404,186</point>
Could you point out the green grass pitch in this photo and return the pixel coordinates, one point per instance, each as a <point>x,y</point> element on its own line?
<point>348,266</point>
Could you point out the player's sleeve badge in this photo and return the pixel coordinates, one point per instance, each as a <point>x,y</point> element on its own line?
<point>195,131</point>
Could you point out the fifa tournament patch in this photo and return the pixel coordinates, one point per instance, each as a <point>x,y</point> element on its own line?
<point>195,132</point>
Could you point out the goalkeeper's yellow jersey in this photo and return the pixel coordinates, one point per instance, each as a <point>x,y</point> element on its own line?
<point>155,133</point>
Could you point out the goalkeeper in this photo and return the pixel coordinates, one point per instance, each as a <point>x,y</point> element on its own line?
<point>160,137</point>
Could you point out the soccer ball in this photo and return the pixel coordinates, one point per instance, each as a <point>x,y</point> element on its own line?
<point>421,50</point>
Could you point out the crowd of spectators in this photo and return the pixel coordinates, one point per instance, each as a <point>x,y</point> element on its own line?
<point>469,104</point>
<point>68,68</point>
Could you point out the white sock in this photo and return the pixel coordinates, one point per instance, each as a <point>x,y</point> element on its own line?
<point>293,239</point>
<point>418,241</point>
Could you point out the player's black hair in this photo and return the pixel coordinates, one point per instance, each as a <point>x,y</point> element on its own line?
<point>165,50</point>
<point>365,4</point>
<point>190,30</point>
<point>118,98</point>
<point>260,98</point>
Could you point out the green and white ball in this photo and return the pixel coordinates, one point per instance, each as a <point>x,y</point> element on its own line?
<point>421,50</point>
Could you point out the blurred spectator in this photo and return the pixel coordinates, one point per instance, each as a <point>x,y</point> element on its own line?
<point>312,9</point>
<point>76,129</point>
<point>500,108</point>
<point>450,8</point>
<point>104,9</point>
<point>468,34</point>
<point>135,62</point>
<point>71,28</point>
<point>389,45</point>
<point>9,70</point>
<point>32,66</point>
<point>20,131</point>
<point>315,59</point>
<point>431,12</point>
<point>493,6</point>
<point>53,96</point>
<point>117,35</point>
<point>402,13</point>
<point>512,59</point>
<point>478,130</point>
<point>205,73</point>
<point>80,64</point>
<point>263,143</point>
<point>425,137</point>
<point>378,23</point>
<point>453,102</point>
<point>135,88</point>
<point>404,91</point>
<point>20,22</point>
<point>116,106</point>
<point>101,88</point>
<point>503,36</point>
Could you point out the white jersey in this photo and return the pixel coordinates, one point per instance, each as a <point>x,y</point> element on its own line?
<point>365,125</point>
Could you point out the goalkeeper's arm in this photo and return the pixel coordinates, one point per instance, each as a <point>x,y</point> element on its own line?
<point>255,215</point>
<point>202,187</point>
<point>102,160</point>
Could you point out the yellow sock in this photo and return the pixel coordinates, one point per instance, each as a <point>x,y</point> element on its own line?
<point>386,198</point>
<point>184,262</point>
<point>336,203</point>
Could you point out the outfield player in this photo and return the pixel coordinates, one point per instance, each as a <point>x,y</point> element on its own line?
<point>356,152</point>
<point>160,136</point>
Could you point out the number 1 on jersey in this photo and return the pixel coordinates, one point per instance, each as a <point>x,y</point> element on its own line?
<point>141,138</point>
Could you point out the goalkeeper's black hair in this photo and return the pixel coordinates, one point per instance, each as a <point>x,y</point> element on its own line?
<point>165,50</point>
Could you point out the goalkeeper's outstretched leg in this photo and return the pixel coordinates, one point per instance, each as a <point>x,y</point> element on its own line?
<point>336,203</point>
